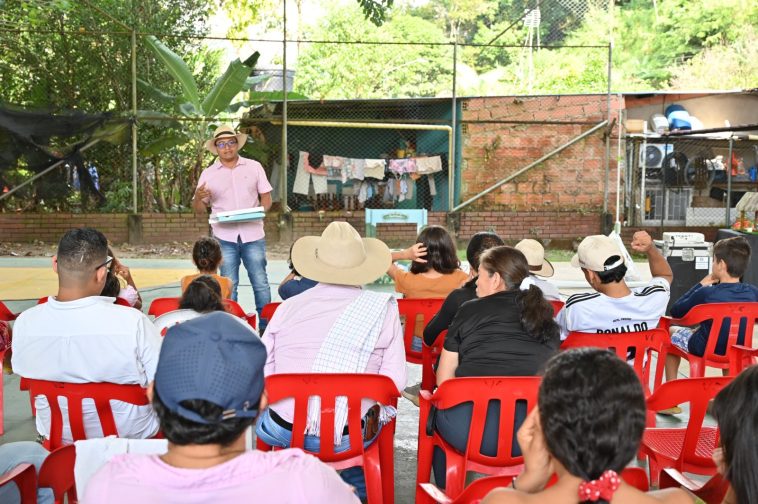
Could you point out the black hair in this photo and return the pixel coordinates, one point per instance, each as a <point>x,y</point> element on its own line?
<point>81,250</point>
<point>479,243</point>
<point>735,252</point>
<point>203,295</point>
<point>536,311</point>
<point>614,275</point>
<point>441,255</point>
<point>736,412</point>
<point>592,411</point>
<point>289,262</point>
<point>180,431</point>
<point>112,286</point>
<point>206,254</point>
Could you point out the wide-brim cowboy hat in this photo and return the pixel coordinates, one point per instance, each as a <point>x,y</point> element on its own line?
<point>340,256</point>
<point>535,256</point>
<point>225,131</point>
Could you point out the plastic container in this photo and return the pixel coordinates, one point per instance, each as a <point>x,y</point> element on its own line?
<point>659,123</point>
<point>678,117</point>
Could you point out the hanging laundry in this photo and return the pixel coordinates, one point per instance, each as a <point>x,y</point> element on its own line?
<point>432,185</point>
<point>401,166</point>
<point>374,168</point>
<point>334,167</point>
<point>304,174</point>
<point>427,165</point>
<point>353,169</point>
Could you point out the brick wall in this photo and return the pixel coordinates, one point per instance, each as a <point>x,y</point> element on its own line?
<point>504,134</point>
<point>161,228</point>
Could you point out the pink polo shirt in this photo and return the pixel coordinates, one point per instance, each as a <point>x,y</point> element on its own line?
<point>297,330</point>
<point>233,189</point>
<point>286,476</point>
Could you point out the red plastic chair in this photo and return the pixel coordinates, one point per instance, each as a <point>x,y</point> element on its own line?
<point>717,312</point>
<point>688,449</point>
<point>268,311</point>
<point>712,490</point>
<point>416,312</point>
<point>476,491</point>
<point>644,344</point>
<point>162,305</point>
<point>235,309</point>
<point>2,419</point>
<point>741,357</point>
<point>376,459</point>
<point>25,478</point>
<point>429,355</point>
<point>6,314</point>
<point>100,393</point>
<point>57,473</point>
<point>480,391</point>
<point>557,306</point>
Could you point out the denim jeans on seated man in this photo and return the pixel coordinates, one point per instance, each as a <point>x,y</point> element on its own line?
<point>274,434</point>
<point>22,452</point>
<point>253,256</point>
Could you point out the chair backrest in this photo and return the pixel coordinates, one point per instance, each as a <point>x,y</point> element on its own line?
<point>25,478</point>
<point>328,387</point>
<point>732,314</point>
<point>643,343</point>
<point>697,392</point>
<point>234,308</point>
<point>741,357</point>
<point>429,356</point>
<point>507,390</point>
<point>162,305</point>
<point>57,473</point>
<point>557,305</point>
<point>268,311</point>
<point>100,393</point>
<point>5,313</point>
<point>416,311</point>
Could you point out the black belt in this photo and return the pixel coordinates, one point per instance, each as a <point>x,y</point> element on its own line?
<point>281,422</point>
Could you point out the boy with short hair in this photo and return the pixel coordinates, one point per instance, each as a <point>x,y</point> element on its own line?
<point>731,258</point>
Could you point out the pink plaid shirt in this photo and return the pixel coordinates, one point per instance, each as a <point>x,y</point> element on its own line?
<point>233,189</point>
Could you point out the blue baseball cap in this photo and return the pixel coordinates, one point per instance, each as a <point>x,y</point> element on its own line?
<point>214,358</point>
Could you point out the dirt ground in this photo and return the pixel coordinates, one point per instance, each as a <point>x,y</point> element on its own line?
<point>171,250</point>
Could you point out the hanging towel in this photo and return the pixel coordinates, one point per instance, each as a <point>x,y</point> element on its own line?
<point>303,177</point>
<point>432,186</point>
<point>427,165</point>
<point>374,168</point>
<point>347,349</point>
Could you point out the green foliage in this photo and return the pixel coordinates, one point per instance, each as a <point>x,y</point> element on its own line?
<point>334,71</point>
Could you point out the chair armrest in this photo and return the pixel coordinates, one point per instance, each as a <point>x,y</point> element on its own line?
<point>17,472</point>
<point>671,478</point>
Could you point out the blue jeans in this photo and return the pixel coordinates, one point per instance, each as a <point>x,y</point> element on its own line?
<point>253,256</point>
<point>274,434</point>
<point>22,452</point>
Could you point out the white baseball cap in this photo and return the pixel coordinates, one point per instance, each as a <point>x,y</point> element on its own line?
<point>594,251</point>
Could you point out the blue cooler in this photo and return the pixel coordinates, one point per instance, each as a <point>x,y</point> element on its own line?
<point>679,118</point>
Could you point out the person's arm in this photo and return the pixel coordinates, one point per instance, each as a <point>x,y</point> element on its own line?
<point>659,266</point>
<point>201,198</point>
<point>124,272</point>
<point>266,201</point>
<point>393,357</point>
<point>447,366</point>
<point>693,297</point>
<point>413,253</point>
<point>443,318</point>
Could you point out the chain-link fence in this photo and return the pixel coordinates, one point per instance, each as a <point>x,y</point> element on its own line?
<point>376,121</point>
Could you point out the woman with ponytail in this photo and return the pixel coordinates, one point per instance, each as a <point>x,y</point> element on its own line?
<point>586,428</point>
<point>206,254</point>
<point>505,332</point>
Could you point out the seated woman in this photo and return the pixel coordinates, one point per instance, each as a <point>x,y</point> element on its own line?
<point>586,428</point>
<point>202,295</point>
<point>736,411</point>
<point>506,332</point>
<point>206,254</point>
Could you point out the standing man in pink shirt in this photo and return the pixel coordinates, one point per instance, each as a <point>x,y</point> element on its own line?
<point>233,183</point>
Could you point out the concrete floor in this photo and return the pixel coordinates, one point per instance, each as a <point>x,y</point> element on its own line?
<point>27,279</point>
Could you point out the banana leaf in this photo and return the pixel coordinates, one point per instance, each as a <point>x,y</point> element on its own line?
<point>164,143</point>
<point>156,93</point>
<point>225,88</point>
<point>177,68</point>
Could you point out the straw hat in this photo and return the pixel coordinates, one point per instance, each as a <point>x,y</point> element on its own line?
<point>224,131</point>
<point>340,256</point>
<point>535,256</point>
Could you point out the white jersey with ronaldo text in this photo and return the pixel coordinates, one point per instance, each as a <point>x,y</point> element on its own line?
<point>594,312</point>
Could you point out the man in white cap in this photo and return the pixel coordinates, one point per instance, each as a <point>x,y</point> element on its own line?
<point>614,307</point>
<point>233,183</point>
<point>334,327</point>
<point>538,267</point>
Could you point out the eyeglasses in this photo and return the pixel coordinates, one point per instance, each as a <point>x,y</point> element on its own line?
<point>230,143</point>
<point>108,260</point>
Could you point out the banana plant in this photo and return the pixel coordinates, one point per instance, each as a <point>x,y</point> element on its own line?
<point>201,109</point>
